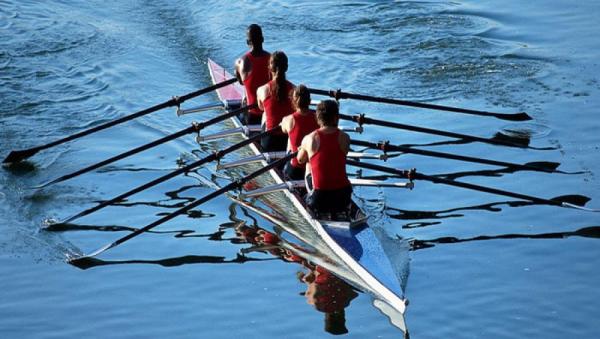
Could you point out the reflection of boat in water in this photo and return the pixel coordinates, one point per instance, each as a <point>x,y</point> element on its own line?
<point>350,249</point>
<point>325,291</point>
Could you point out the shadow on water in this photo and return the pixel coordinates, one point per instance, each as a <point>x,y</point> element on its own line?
<point>586,232</point>
<point>168,262</point>
<point>401,214</point>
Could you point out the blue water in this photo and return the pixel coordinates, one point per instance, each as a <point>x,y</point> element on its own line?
<point>481,265</point>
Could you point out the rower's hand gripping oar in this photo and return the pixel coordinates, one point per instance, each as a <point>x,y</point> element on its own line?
<point>18,155</point>
<point>338,94</point>
<point>237,184</point>
<point>196,127</point>
<point>212,157</point>
<point>542,166</point>
<point>571,201</point>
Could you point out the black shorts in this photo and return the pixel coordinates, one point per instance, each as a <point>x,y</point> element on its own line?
<point>252,119</point>
<point>274,142</point>
<point>330,201</point>
<point>294,173</point>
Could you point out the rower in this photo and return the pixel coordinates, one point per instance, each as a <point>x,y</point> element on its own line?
<point>325,150</point>
<point>274,98</point>
<point>252,71</point>
<point>297,126</point>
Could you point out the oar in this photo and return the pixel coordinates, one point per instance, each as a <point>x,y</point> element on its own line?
<point>212,157</point>
<point>192,129</point>
<point>16,156</point>
<point>338,94</point>
<point>238,183</point>
<point>571,201</point>
<point>542,166</point>
<point>362,119</point>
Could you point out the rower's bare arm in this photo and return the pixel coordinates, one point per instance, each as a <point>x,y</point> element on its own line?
<point>305,145</point>
<point>344,140</point>
<point>242,68</point>
<point>239,66</point>
<point>287,124</point>
<point>260,96</point>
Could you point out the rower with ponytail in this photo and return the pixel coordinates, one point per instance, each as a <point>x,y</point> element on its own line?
<point>274,98</point>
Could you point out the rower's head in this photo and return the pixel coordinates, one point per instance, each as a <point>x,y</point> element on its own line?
<point>254,36</point>
<point>278,64</point>
<point>335,322</point>
<point>301,97</point>
<point>328,113</point>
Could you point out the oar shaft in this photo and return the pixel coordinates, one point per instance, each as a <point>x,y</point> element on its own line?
<point>231,186</point>
<point>437,180</point>
<point>16,156</point>
<point>365,120</point>
<point>212,157</point>
<point>386,147</point>
<point>188,130</point>
<point>338,94</point>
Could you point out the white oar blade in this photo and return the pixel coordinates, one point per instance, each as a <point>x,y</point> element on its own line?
<point>91,255</point>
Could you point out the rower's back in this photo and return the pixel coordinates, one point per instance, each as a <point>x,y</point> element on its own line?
<point>275,99</point>
<point>325,150</point>
<point>328,163</point>
<point>252,70</point>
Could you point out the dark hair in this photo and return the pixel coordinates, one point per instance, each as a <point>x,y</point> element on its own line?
<point>301,97</point>
<point>328,112</point>
<point>279,65</point>
<point>254,35</point>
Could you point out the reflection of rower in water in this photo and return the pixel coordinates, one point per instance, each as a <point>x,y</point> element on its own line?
<point>329,295</point>
<point>325,150</point>
<point>275,99</point>
<point>326,292</point>
<point>297,126</point>
<point>252,71</point>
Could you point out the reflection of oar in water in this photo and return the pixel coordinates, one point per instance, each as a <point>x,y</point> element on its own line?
<point>362,119</point>
<point>587,232</point>
<point>16,156</point>
<point>210,158</point>
<point>169,262</point>
<point>196,127</point>
<point>571,201</point>
<point>338,94</point>
<point>543,166</point>
<point>238,183</point>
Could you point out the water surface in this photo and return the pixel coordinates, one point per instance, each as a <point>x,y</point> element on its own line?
<point>482,266</point>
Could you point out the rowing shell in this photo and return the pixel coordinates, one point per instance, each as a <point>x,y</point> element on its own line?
<point>353,253</point>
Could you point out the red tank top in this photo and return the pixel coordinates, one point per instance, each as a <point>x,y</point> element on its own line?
<point>328,164</point>
<point>275,110</point>
<point>258,76</point>
<point>303,125</point>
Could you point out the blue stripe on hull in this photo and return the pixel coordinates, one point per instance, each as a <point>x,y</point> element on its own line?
<point>363,245</point>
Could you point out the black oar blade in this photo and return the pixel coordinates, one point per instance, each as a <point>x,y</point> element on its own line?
<point>574,199</point>
<point>84,262</point>
<point>547,166</point>
<point>519,141</point>
<point>521,116</point>
<point>16,156</point>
